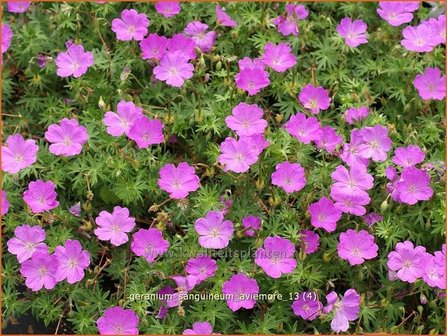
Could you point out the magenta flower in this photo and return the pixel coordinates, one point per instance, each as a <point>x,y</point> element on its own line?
<point>354,181</point>
<point>351,151</point>
<point>164,294</point>
<point>168,8</point>
<point>430,84</point>
<point>223,19</point>
<point>114,226</point>
<point>306,307</point>
<point>288,24</point>
<point>278,57</point>
<point>146,132</point>
<point>314,98</point>
<point>18,6</point>
<point>248,63</point>
<point>4,204</point>
<point>121,122</point>
<point>118,321</point>
<point>202,39</point>
<point>329,139</point>
<point>18,154</point>
<point>353,32</point>
<point>75,62</point>
<point>174,69</point>
<point>414,186</point>
<point>131,26</point>
<point>237,155</point>
<point>241,291</point>
<point>251,224</point>
<point>376,143</point>
<point>438,29</point>
<point>353,204</point>
<point>252,80</point>
<point>434,274</point>
<point>214,231</point>
<point>419,38</point>
<point>27,240</point>
<point>289,176</point>
<point>391,173</point>
<point>372,218</point>
<point>277,257</point>
<point>41,196</point>
<point>397,13</point>
<point>408,156</point>
<point>183,43</point>
<point>324,214</point>
<point>184,285</point>
<point>311,241</point>
<point>153,47</point>
<point>67,138</point>
<point>149,244</point>
<point>72,261</point>
<point>199,328</point>
<point>408,261</point>
<point>345,310</point>
<point>178,181</point>
<point>202,267</point>
<point>39,271</point>
<point>356,114</point>
<point>304,129</point>
<point>6,37</point>
<point>75,210</point>
<point>356,247</point>
<point>256,142</point>
<point>246,120</point>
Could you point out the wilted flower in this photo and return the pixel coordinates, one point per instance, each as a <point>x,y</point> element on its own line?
<point>353,32</point>
<point>324,214</point>
<point>304,129</point>
<point>314,98</point>
<point>251,224</point>
<point>174,68</point>
<point>27,240</point>
<point>202,267</point>
<point>277,257</point>
<point>75,62</point>
<point>114,226</point>
<point>356,247</point>
<point>66,138</point>
<point>430,84</point>
<point>289,176</point>
<point>237,155</point>
<point>246,120</point>
<point>202,39</point>
<point>149,244</point>
<point>241,290</point>
<point>72,261</point>
<point>278,57</point>
<point>39,271</point>
<point>408,261</point>
<point>131,26</point>
<point>372,218</point>
<point>118,321</point>
<point>214,232</point>
<point>178,181</point>
<point>345,310</point>
<point>223,19</point>
<point>153,47</point>
<point>168,8</point>
<point>146,132</point>
<point>75,210</point>
<point>41,196</point>
<point>18,153</point>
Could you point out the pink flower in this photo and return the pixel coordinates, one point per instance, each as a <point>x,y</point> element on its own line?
<point>353,32</point>
<point>149,244</point>
<point>183,43</point>
<point>39,271</point>
<point>75,210</point>
<point>164,294</point>
<point>72,260</point>
<point>214,231</point>
<point>251,224</point>
<point>324,214</point>
<point>246,120</point>
<point>354,181</point>
<point>118,321</point>
<point>356,114</point>
<point>351,151</point>
<point>202,267</point>
<point>41,196</point>
<point>352,204</point>
<point>408,261</point>
<point>256,142</point>
<point>18,6</point>
<point>438,28</point>
<point>408,156</point>
<point>248,63</point>
<point>75,62</point>
<point>18,154</point>
<point>278,57</point>
<point>314,98</point>
<point>27,240</point>
<point>168,8</point>
<point>252,80</point>
<point>174,69</point>
<point>434,274</point>
<point>178,181</point>
<point>241,291</point>
<point>306,307</point>
<point>419,38</point>
<point>4,204</point>
<point>304,129</point>
<point>329,139</point>
<point>153,47</point>
<point>289,24</point>
<point>223,19</point>
<point>376,143</point>
<point>391,173</point>
<point>146,132</point>
<point>6,37</point>
<point>397,13</point>
<point>67,138</point>
<point>311,241</point>
<point>199,328</point>
<point>372,218</point>
<point>430,84</point>
<point>345,310</point>
<point>202,39</point>
<point>237,155</point>
<point>120,123</point>
<point>114,226</point>
<point>414,186</point>
<point>184,285</point>
<point>277,257</point>
<point>131,26</point>
<point>289,176</point>
<point>355,247</point>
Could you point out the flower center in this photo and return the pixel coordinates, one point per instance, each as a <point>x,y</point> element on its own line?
<point>176,184</point>
<point>18,158</point>
<point>67,141</point>
<point>215,233</point>
<point>42,271</point>
<point>72,263</point>
<point>29,246</point>
<point>313,103</point>
<point>356,252</point>
<point>118,329</point>
<point>306,308</point>
<point>321,217</point>
<point>239,157</point>
<point>115,228</point>
<point>419,42</point>
<point>173,71</point>
<point>407,264</point>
